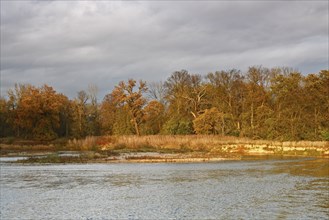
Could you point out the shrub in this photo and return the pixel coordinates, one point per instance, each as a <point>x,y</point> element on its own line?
<point>325,135</point>
<point>176,126</point>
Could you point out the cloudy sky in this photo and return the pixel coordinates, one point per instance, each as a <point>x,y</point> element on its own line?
<point>70,45</point>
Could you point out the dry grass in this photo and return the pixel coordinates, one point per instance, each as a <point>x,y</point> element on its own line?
<point>194,142</point>
<point>16,147</point>
<point>86,144</point>
<point>210,144</point>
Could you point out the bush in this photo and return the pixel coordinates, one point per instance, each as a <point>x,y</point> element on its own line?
<point>325,135</point>
<point>177,126</point>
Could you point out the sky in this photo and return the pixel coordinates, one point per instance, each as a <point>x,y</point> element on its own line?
<point>70,45</point>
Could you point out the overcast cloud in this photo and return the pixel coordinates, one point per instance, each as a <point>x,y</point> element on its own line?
<point>70,45</point>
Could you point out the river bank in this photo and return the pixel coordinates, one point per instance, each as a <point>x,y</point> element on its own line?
<point>153,149</point>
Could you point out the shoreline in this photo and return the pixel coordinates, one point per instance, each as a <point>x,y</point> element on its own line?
<point>158,149</point>
<point>142,157</point>
<point>136,157</point>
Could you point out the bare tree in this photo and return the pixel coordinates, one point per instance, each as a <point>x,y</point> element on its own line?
<point>157,91</point>
<point>92,93</point>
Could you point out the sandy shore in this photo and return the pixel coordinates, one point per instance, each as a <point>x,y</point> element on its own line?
<point>153,157</point>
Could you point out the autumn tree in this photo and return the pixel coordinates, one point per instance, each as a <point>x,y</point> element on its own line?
<point>226,92</point>
<point>278,103</point>
<point>5,126</point>
<point>133,101</point>
<point>3,114</point>
<point>196,96</point>
<point>176,88</point>
<point>186,97</point>
<point>13,105</point>
<point>36,111</point>
<point>93,123</point>
<point>154,115</point>
<point>157,91</point>
<point>123,124</point>
<point>288,96</point>
<point>66,119</point>
<point>324,96</point>
<point>108,111</point>
<point>186,93</point>
<point>256,103</point>
<point>316,106</point>
<point>209,122</point>
<point>114,117</point>
<point>79,105</point>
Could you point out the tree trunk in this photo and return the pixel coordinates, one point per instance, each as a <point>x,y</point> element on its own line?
<point>223,125</point>
<point>252,118</point>
<point>136,127</point>
<point>66,129</point>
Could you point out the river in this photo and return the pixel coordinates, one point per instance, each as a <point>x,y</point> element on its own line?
<point>293,188</point>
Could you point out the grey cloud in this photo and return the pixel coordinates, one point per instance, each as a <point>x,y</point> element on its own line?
<point>71,44</point>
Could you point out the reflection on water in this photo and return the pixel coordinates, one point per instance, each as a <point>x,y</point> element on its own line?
<point>307,167</point>
<point>11,159</point>
<point>262,189</point>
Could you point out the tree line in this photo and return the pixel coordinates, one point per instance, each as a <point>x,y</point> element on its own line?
<point>261,103</point>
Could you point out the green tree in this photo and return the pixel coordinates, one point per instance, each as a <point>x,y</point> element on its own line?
<point>123,123</point>
<point>177,126</point>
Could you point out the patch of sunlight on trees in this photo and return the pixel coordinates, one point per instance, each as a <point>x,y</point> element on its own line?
<point>261,103</point>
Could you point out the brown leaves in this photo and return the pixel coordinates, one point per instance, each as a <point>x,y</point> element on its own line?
<point>126,95</point>
<point>210,122</point>
<point>37,110</point>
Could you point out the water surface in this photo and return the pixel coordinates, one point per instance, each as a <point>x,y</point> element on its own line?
<point>253,189</point>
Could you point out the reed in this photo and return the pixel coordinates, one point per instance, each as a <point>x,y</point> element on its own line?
<point>86,144</point>
<point>212,144</point>
<point>196,142</point>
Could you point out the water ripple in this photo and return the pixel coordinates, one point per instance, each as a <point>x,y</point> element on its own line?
<point>262,189</point>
